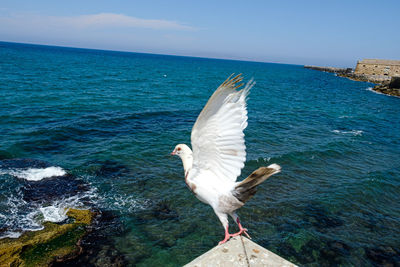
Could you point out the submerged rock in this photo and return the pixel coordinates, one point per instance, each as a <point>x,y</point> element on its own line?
<point>33,190</point>
<point>56,242</point>
<point>98,247</point>
<point>41,191</point>
<point>384,255</point>
<point>5,155</point>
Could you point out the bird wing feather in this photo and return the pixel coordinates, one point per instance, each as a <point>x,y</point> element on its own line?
<point>217,135</point>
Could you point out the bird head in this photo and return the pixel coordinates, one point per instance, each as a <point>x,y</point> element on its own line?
<point>181,150</point>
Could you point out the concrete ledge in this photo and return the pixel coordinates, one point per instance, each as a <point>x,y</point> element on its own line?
<point>239,251</point>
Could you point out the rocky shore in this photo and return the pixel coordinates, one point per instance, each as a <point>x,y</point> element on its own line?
<point>378,79</point>
<point>384,84</point>
<point>389,88</point>
<point>55,243</point>
<point>330,69</point>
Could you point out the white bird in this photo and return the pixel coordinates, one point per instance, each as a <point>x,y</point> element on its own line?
<point>218,155</point>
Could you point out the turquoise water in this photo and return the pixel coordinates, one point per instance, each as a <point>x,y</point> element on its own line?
<point>110,120</point>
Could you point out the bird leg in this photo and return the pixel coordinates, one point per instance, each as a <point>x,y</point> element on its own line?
<point>223,217</point>
<point>241,229</point>
<point>227,236</point>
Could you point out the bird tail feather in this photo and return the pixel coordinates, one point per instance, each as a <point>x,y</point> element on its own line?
<point>246,189</point>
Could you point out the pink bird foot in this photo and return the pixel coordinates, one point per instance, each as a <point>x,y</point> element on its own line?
<point>227,237</point>
<point>241,230</point>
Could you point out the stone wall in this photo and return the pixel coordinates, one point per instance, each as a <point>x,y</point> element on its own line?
<point>378,67</point>
<point>330,69</point>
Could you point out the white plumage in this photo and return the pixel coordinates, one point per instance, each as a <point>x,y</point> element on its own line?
<point>219,153</point>
<point>217,136</point>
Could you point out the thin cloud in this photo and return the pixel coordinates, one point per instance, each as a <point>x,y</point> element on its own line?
<point>98,21</point>
<point>120,20</point>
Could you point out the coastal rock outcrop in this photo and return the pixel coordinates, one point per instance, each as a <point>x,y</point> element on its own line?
<point>385,84</point>
<point>331,69</point>
<point>56,242</point>
<point>366,77</point>
<point>389,88</point>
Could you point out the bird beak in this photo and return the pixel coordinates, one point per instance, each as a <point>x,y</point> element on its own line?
<point>173,153</point>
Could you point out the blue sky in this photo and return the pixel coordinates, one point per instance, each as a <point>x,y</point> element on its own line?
<point>335,33</point>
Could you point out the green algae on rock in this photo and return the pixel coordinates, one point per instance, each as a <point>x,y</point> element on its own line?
<point>54,243</point>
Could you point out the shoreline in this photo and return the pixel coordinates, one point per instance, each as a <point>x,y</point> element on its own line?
<point>56,242</point>
<point>383,84</point>
<point>386,85</point>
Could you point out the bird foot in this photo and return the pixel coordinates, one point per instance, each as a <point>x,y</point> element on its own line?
<point>241,231</point>
<point>227,237</point>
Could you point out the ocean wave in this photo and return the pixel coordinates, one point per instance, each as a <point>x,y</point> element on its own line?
<point>372,90</point>
<point>263,159</point>
<point>352,132</point>
<point>345,116</point>
<point>379,93</point>
<point>21,214</point>
<point>122,203</point>
<point>24,216</point>
<point>18,217</point>
<point>54,214</point>
<point>28,202</point>
<point>11,234</point>
<point>35,174</point>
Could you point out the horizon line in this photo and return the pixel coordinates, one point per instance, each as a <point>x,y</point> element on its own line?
<point>150,53</point>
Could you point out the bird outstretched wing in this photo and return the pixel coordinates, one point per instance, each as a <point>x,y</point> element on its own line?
<point>217,136</point>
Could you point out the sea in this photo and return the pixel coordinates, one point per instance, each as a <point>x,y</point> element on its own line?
<point>83,128</point>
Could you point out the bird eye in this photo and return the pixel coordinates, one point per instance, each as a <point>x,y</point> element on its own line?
<point>179,149</point>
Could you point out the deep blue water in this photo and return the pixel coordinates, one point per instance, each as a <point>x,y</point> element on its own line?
<point>110,120</point>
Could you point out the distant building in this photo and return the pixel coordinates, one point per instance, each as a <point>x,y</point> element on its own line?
<point>378,67</point>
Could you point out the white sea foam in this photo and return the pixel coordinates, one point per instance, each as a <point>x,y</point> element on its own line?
<point>123,203</point>
<point>31,222</point>
<point>376,92</point>
<point>264,159</point>
<point>11,234</point>
<point>345,116</point>
<point>352,132</point>
<point>21,216</point>
<point>54,214</point>
<point>35,174</point>
<point>379,93</point>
